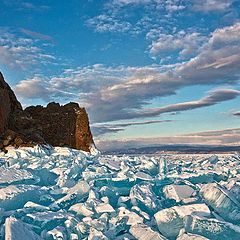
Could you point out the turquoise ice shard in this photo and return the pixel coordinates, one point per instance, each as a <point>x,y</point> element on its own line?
<point>212,228</point>
<point>45,176</point>
<point>131,216</point>
<point>47,220</point>
<point>15,196</point>
<point>81,210</point>
<point>178,192</point>
<point>34,207</point>
<point>79,192</point>
<point>15,176</point>
<point>104,208</point>
<point>96,235</point>
<point>58,233</point>
<point>142,195</point>
<point>112,195</point>
<point>222,201</point>
<point>163,167</point>
<point>234,187</point>
<point>144,232</point>
<point>143,176</point>
<point>18,230</point>
<point>170,220</point>
<point>189,236</point>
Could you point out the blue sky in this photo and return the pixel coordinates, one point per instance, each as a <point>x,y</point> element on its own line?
<point>148,71</point>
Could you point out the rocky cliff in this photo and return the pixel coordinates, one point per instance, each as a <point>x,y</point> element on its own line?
<point>8,104</point>
<point>54,124</point>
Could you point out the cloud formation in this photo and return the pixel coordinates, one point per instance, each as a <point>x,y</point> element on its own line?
<point>25,5</point>
<point>102,129</point>
<point>38,87</point>
<point>236,114</point>
<point>174,5</point>
<point>122,91</point>
<point>33,88</point>
<point>223,137</point>
<point>21,52</point>
<point>36,35</point>
<point>115,16</point>
<point>214,97</point>
<point>212,5</point>
<point>183,43</point>
<point>105,23</point>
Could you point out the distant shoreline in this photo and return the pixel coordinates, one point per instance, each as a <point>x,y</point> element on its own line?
<point>176,149</point>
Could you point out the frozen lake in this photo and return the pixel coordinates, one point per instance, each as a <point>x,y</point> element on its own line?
<point>61,193</point>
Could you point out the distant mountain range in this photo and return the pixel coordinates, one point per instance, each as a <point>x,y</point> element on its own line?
<point>176,149</point>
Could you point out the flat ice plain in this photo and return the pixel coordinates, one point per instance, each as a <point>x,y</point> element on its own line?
<point>61,193</point>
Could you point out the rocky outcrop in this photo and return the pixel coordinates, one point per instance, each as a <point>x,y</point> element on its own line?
<point>54,124</point>
<point>8,104</point>
<point>66,125</point>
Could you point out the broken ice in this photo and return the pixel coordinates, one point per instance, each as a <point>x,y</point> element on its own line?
<point>61,193</point>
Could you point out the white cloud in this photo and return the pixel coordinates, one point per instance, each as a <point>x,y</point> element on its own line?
<point>174,5</point>
<point>126,2</point>
<point>169,5</point>
<point>213,98</point>
<point>212,5</point>
<point>113,93</point>
<point>105,23</point>
<point>24,5</point>
<point>124,15</point>
<point>102,129</point>
<point>218,61</point>
<point>225,36</point>
<point>215,64</point>
<point>33,88</point>
<point>226,137</point>
<point>21,52</point>
<point>183,43</point>
<point>36,35</point>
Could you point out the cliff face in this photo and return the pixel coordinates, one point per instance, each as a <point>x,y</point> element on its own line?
<point>66,125</point>
<point>56,125</point>
<point>8,104</point>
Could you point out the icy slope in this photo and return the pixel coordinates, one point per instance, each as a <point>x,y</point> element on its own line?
<point>61,193</point>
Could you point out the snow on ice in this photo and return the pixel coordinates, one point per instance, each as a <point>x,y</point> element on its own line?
<point>61,193</point>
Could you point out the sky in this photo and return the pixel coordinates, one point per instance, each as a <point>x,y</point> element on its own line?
<point>148,72</point>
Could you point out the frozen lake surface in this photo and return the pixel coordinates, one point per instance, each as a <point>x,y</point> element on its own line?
<point>61,193</point>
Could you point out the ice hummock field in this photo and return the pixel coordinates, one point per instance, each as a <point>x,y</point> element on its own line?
<point>61,193</point>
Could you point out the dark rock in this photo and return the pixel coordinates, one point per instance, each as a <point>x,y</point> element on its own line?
<point>10,135</point>
<point>6,142</point>
<point>56,125</point>
<point>8,104</point>
<point>66,125</point>
<point>18,141</point>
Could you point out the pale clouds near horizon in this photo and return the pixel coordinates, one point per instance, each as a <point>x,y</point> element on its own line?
<point>226,137</point>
